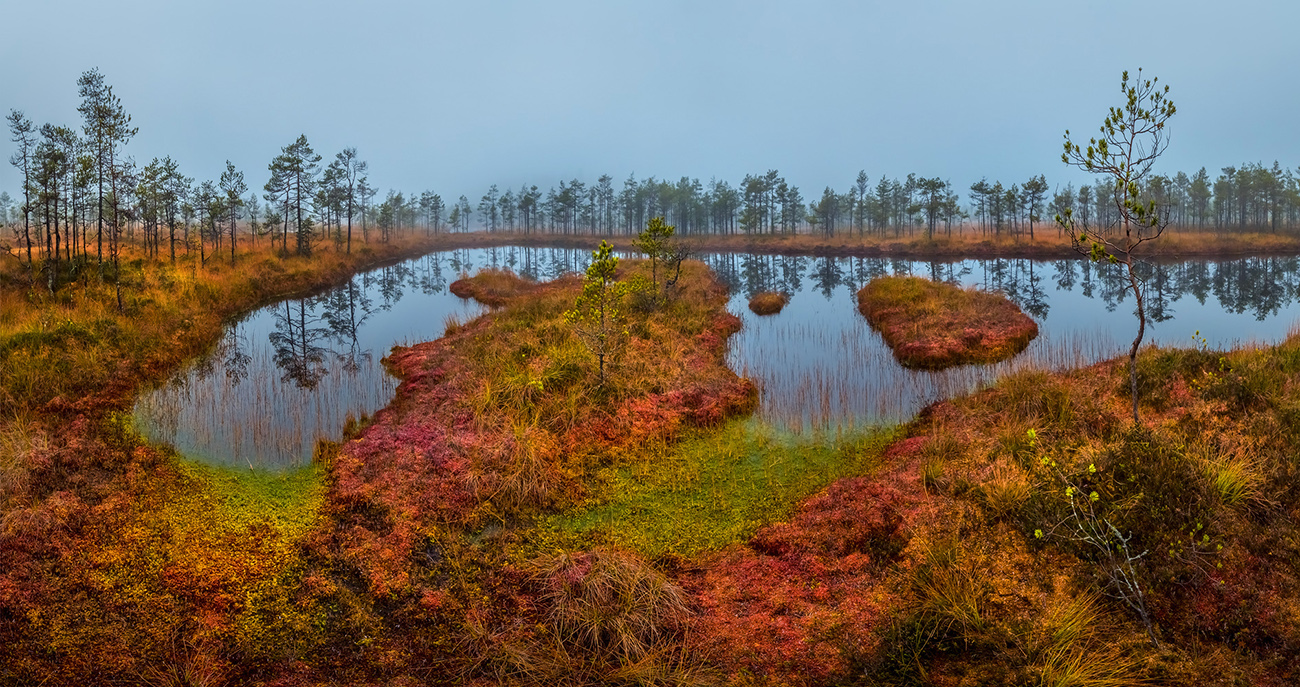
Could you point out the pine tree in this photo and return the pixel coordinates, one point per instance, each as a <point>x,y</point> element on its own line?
<point>653,241</point>
<point>233,186</point>
<point>597,316</point>
<point>1132,137</point>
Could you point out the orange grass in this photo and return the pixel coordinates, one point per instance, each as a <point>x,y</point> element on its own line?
<point>491,287</point>
<point>115,563</point>
<point>971,243</point>
<point>968,243</point>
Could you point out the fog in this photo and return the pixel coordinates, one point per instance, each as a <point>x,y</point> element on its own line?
<point>456,96</point>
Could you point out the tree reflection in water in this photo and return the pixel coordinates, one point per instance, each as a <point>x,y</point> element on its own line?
<point>1261,287</point>
<point>818,365</point>
<point>297,343</point>
<point>346,310</point>
<point>292,372</point>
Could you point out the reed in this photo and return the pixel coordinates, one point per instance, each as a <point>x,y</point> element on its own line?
<point>839,374</point>
<point>77,346</point>
<point>259,418</point>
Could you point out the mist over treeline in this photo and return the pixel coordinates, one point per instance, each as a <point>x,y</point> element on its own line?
<point>1251,197</point>
<point>82,190</point>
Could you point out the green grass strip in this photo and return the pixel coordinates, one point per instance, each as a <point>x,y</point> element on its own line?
<point>711,489</point>
<point>288,501</point>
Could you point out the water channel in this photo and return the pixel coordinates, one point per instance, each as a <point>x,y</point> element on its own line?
<point>292,372</point>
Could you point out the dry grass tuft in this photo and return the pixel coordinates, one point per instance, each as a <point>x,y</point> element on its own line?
<point>1233,473</point>
<point>1072,648</point>
<point>1006,490</point>
<point>609,618</point>
<point>947,591</point>
<point>611,603</point>
<point>769,302</point>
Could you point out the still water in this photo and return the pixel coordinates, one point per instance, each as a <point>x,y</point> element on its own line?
<point>292,372</point>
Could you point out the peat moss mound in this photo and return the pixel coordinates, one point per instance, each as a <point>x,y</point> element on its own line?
<point>491,287</point>
<point>768,302</point>
<point>1063,510</point>
<point>931,325</point>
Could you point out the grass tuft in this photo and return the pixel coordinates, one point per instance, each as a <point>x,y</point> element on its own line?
<point>1235,476</point>
<point>1006,490</point>
<point>948,593</point>
<point>611,603</point>
<point>769,302</point>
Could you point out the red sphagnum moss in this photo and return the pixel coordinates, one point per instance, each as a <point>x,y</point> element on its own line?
<point>933,325</point>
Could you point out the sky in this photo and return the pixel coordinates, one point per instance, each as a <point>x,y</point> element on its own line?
<point>453,97</point>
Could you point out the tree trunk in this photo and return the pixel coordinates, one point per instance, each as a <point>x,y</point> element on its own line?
<point>232,234</point>
<point>1142,324</point>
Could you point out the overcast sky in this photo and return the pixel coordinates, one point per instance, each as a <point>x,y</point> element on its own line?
<point>452,97</point>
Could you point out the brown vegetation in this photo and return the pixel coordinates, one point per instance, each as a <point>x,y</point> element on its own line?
<point>504,417</point>
<point>1204,488</point>
<point>768,302</point>
<point>1177,244</point>
<point>954,557</point>
<point>933,325</point>
<point>491,287</point>
<point>115,561</point>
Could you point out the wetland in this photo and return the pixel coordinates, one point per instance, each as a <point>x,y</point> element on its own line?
<point>292,373</point>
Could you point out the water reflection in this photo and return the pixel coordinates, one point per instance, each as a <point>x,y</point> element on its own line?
<point>293,372</point>
<point>1260,287</point>
<point>820,365</point>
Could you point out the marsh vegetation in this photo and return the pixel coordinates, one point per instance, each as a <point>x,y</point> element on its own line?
<point>473,515</point>
<point>438,456</point>
<point>933,325</point>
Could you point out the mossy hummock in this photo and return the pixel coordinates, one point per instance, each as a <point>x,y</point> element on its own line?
<point>931,325</point>
<point>769,302</point>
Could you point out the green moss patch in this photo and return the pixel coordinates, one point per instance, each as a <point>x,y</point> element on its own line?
<point>287,501</point>
<point>712,489</point>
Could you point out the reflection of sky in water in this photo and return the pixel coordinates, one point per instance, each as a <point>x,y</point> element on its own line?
<point>819,363</point>
<point>292,372</point>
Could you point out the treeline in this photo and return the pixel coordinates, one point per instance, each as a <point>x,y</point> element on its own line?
<point>1247,198</point>
<point>759,204</point>
<point>83,197</point>
<point>1250,198</point>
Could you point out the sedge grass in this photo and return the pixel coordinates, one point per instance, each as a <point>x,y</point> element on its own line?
<point>1006,490</point>
<point>1233,474</point>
